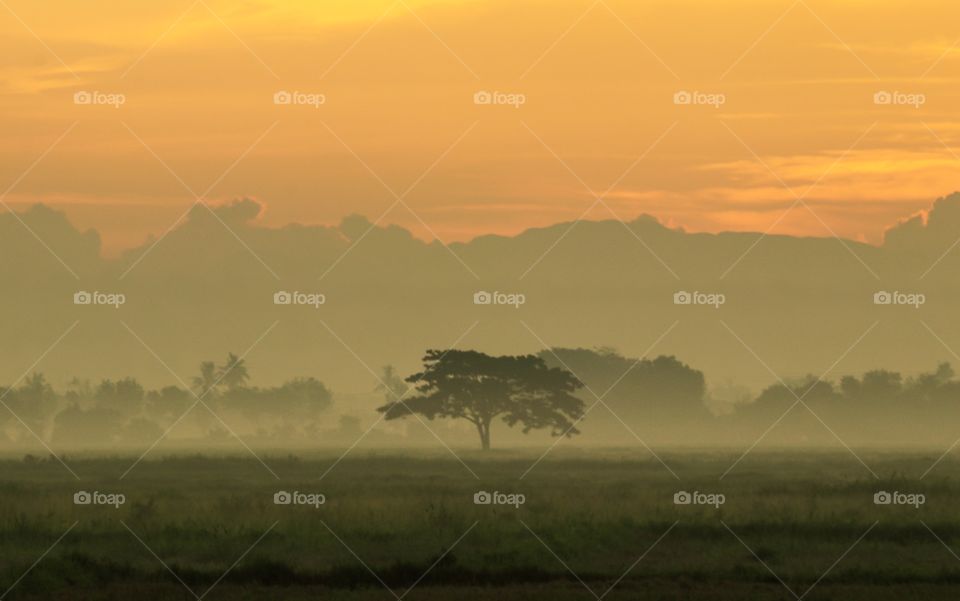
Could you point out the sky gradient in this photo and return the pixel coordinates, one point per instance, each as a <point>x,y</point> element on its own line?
<point>400,138</point>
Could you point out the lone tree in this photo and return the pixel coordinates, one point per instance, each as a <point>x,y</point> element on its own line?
<point>478,388</point>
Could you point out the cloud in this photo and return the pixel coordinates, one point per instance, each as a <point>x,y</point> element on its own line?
<point>936,227</point>
<point>241,212</point>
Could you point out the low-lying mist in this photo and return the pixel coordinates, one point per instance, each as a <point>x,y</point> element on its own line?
<point>617,401</point>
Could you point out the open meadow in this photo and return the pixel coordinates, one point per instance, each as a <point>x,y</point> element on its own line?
<point>589,524</point>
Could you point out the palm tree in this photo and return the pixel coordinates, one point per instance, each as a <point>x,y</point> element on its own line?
<point>205,384</point>
<point>234,373</point>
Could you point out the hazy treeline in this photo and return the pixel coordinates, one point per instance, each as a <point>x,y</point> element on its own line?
<point>661,401</point>
<point>665,401</point>
<point>877,407</point>
<point>122,412</point>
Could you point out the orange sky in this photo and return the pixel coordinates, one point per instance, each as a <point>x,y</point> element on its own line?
<point>798,119</point>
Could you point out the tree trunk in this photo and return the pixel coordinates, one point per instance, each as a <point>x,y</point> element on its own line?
<point>483,428</point>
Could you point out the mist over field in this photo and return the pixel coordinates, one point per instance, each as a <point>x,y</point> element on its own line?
<point>684,339</point>
<point>421,300</point>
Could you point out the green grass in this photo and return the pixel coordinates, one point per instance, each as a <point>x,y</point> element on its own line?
<point>400,513</point>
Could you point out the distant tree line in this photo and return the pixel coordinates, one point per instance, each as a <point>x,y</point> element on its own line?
<point>118,412</point>
<point>561,391</point>
<point>878,407</point>
<point>620,400</point>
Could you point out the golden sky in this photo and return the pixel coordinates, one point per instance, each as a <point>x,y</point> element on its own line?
<point>198,77</point>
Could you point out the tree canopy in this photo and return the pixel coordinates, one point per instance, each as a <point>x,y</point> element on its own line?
<point>480,388</point>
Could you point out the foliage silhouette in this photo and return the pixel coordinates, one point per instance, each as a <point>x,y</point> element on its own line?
<point>479,388</point>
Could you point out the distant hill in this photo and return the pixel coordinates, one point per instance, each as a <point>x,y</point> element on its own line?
<point>798,303</point>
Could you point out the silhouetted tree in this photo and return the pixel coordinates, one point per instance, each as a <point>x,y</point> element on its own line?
<point>78,392</point>
<point>932,386</point>
<point>168,403</point>
<point>205,383</point>
<point>850,388</point>
<point>661,397</point>
<point>233,373</point>
<point>881,385</point>
<point>124,396</point>
<point>34,402</point>
<point>479,388</point>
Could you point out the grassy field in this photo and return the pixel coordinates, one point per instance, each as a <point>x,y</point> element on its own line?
<point>599,520</point>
